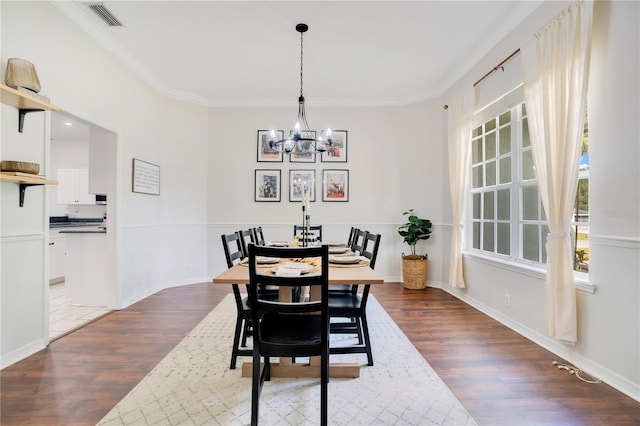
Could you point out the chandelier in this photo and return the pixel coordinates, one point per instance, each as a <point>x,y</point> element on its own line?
<point>301,139</point>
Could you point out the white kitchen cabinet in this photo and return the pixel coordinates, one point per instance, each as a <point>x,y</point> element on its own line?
<point>98,155</point>
<point>57,252</point>
<point>73,187</point>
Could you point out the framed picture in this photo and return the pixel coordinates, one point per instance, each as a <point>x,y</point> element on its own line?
<point>267,185</point>
<point>337,152</point>
<point>301,181</point>
<point>335,185</point>
<point>145,177</point>
<point>266,154</point>
<point>303,151</point>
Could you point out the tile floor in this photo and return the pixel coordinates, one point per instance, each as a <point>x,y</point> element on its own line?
<point>64,317</point>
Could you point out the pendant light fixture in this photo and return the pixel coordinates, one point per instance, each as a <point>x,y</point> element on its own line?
<point>301,139</point>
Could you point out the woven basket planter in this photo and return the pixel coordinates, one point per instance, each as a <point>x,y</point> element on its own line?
<point>414,273</point>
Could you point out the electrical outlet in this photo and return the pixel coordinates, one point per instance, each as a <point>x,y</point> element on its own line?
<point>190,269</point>
<point>507,300</point>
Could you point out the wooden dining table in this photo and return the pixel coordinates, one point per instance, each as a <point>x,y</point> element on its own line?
<point>338,274</point>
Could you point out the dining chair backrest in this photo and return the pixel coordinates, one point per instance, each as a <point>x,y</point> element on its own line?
<point>318,277</point>
<point>352,234</point>
<point>232,248</point>
<point>246,237</point>
<point>370,248</point>
<point>358,240</point>
<point>258,236</point>
<point>315,233</point>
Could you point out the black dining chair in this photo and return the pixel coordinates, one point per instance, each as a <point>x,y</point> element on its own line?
<point>348,288</point>
<point>258,236</point>
<point>289,329</point>
<point>246,236</point>
<point>352,234</point>
<point>312,235</point>
<point>358,240</point>
<point>353,307</point>
<point>234,253</point>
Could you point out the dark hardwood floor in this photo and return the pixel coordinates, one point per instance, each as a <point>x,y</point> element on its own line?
<point>500,377</point>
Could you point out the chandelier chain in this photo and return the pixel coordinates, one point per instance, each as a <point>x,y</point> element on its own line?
<point>301,56</point>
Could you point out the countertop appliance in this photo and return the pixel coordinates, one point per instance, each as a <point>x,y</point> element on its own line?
<point>101,199</point>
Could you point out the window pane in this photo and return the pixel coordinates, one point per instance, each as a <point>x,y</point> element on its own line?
<point>504,238</point>
<point>545,232</point>
<point>530,242</point>
<point>582,248</point>
<point>488,205</point>
<point>530,203</point>
<point>487,237</point>
<point>525,133</point>
<point>491,173</point>
<point>505,170</point>
<point>582,201</point>
<point>477,176</point>
<point>528,172</point>
<point>476,151</point>
<point>490,125</point>
<point>476,206</point>
<point>477,132</point>
<point>490,146</point>
<point>505,118</point>
<point>476,235</point>
<point>504,204</point>
<point>505,140</point>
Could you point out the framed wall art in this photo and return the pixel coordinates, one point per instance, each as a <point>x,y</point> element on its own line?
<point>303,151</point>
<point>266,154</point>
<point>145,177</point>
<point>337,152</point>
<point>301,181</point>
<point>267,185</point>
<point>335,185</point>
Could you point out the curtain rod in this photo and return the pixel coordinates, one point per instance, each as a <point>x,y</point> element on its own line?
<point>494,69</point>
<point>497,67</point>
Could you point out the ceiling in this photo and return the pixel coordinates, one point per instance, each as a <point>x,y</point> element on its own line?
<point>247,53</point>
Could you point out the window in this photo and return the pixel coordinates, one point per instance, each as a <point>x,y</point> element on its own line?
<point>507,216</point>
<point>581,212</point>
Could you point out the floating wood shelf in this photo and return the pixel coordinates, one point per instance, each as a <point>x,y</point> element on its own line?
<point>25,103</point>
<point>25,181</point>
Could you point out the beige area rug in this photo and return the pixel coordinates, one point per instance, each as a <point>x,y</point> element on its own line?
<point>193,385</point>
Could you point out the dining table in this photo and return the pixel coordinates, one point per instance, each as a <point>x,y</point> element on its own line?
<point>358,273</point>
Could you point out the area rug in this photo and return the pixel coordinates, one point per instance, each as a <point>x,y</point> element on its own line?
<point>193,385</point>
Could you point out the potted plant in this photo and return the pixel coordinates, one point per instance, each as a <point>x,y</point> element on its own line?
<point>414,266</point>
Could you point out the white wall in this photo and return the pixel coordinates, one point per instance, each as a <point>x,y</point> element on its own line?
<point>397,160</point>
<point>609,319</point>
<point>161,240</point>
<point>393,161</point>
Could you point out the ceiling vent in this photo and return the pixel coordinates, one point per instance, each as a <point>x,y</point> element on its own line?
<point>105,14</point>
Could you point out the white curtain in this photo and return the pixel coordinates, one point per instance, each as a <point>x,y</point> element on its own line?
<point>460,126</point>
<point>556,73</point>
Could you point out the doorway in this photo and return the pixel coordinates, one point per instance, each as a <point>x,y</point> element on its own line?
<point>82,157</point>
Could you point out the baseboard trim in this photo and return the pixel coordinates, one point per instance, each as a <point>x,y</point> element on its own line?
<point>23,352</point>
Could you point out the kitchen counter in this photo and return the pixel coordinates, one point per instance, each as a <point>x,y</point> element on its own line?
<point>66,222</point>
<point>87,275</point>
<point>97,230</point>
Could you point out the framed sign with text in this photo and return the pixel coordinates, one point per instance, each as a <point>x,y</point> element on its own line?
<point>145,177</point>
